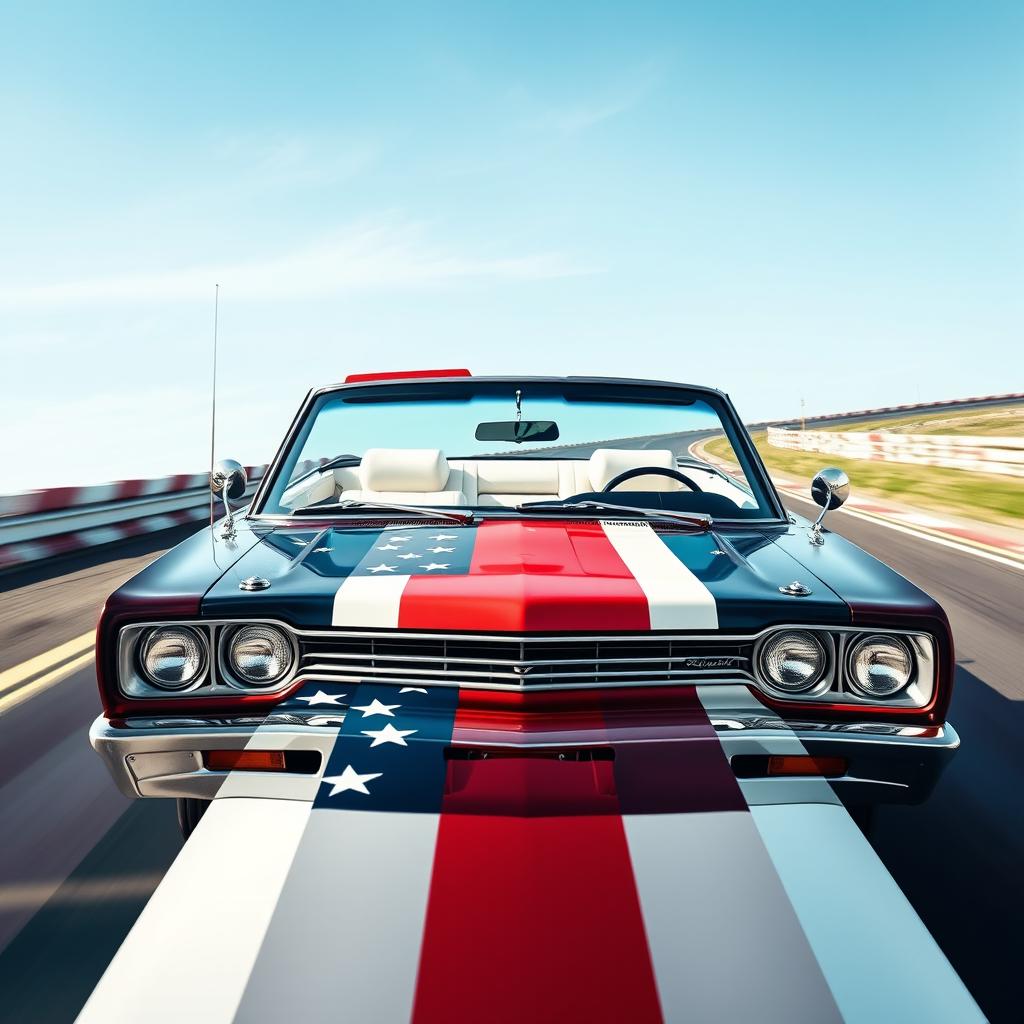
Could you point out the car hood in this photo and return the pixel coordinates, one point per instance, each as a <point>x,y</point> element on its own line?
<point>522,576</point>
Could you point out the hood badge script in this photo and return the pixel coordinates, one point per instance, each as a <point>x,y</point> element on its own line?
<point>795,589</point>
<point>254,583</point>
<point>704,662</point>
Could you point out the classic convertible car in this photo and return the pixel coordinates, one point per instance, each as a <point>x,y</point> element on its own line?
<point>505,699</point>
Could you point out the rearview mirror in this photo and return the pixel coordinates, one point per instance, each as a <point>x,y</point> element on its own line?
<point>517,431</point>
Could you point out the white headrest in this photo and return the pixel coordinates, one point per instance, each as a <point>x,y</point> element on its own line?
<point>403,469</point>
<point>516,476</point>
<point>607,463</point>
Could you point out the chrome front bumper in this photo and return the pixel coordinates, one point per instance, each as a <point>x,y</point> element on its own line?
<point>165,757</point>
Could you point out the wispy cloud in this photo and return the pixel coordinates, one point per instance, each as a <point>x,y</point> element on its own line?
<point>364,257</point>
<point>576,116</point>
<point>287,161</point>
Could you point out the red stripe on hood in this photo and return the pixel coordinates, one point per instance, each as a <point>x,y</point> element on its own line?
<point>529,576</point>
<point>533,915</point>
<point>533,911</point>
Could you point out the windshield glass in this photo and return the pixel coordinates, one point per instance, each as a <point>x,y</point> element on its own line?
<point>496,445</point>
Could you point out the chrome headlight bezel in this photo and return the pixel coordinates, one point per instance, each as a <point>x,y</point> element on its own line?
<point>162,632</point>
<point>216,679</point>
<point>818,683</point>
<point>233,674</point>
<point>838,685</point>
<point>879,639</point>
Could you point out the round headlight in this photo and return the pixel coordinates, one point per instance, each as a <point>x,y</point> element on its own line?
<point>793,661</point>
<point>173,657</point>
<point>880,666</point>
<point>260,655</point>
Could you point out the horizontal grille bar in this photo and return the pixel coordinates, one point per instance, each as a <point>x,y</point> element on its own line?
<point>519,663</point>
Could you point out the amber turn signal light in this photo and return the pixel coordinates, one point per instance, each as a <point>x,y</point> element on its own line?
<point>804,764</point>
<point>244,760</point>
<point>759,766</point>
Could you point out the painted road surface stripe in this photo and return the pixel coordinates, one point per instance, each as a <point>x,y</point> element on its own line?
<point>345,938</point>
<point>711,899</point>
<point>11,677</point>
<point>202,930</point>
<point>970,548</point>
<point>38,685</point>
<point>725,942</point>
<point>880,961</point>
<point>353,908</point>
<point>856,918</point>
<point>190,954</point>
<point>676,598</point>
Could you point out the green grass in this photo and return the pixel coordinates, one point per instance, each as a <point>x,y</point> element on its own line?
<point>990,499</point>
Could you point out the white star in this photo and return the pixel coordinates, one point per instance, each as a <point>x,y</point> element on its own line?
<point>298,540</point>
<point>350,779</point>
<point>438,550</point>
<point>322,698</point>
<point>410,555</point>
<point>389,734</point>
<point>412,689</point>
<point>382,568</point>
<point>388,547</point>
<point>433,565</point>
<point>320,551</point>
<point>443,536</point>
<point>399,540</point>
<point>376,708</point>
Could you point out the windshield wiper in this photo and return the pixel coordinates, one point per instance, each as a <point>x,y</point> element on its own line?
<point>353,504</point>
<point>338,460</point>
<point>696,519</point>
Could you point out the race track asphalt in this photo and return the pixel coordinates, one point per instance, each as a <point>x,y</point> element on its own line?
<point>78,861</point>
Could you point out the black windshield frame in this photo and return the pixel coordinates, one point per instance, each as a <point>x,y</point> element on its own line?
<point>626,390</point>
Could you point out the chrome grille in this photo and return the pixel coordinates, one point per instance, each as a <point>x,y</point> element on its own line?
<point>534,662</point>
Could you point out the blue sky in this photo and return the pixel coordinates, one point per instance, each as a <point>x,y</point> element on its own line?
<point>785,200</point>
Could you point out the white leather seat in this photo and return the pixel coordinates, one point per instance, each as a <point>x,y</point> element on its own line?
<point>406,475</point>
<point>508,482</point>
<point>423,476</point>
<point>607,463</point>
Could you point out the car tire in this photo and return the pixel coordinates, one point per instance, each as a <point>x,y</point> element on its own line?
<point>189,813</point>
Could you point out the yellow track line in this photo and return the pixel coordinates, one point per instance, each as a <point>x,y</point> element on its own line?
<point>44,682</point>
<point>27,669</point>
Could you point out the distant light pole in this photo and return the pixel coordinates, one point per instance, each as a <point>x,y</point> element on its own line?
<point>803,422</point>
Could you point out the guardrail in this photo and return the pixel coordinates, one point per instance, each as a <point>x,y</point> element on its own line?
<point>59,520</point>
<point>949,404</point>
<point>1003,456</point>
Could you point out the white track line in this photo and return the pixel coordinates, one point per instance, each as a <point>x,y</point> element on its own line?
<point>968,549</point>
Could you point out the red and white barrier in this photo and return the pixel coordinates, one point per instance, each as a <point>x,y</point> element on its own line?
<point>1003,456</point>
<point>1012,398</point>
<point>41,524</point>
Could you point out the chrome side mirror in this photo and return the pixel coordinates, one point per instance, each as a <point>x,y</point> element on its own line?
<point>229,480</point>
<point>830,488</point>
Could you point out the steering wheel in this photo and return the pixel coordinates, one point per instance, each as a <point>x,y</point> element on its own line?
<point>631,474</point>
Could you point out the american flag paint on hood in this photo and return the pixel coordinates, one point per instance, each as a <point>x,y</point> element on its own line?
<point>465,857</point>
<point>522,575</point>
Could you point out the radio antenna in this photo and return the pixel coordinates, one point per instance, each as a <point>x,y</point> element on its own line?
<point>213,412</point>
